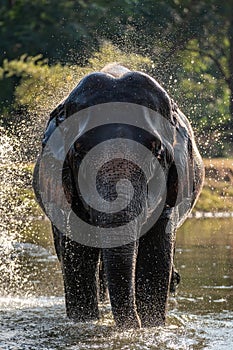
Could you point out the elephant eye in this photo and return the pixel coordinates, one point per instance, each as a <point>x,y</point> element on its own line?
<point>156,147</point>
<point>77,146</point>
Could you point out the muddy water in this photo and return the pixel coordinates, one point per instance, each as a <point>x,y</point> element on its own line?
<point>32,314</point>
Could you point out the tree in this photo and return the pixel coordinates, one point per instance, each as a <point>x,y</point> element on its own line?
<point>195,26</point>
<point>219,46</point>
<point>65,31</point>
<point>62,31</point>
<point>173,33</point>
<point>59,30</point>
<point>42,87</point>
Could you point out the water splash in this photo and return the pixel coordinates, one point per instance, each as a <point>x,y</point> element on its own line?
<point>14,211</point>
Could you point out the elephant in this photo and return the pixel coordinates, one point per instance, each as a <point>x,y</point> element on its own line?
<point>140,272</point>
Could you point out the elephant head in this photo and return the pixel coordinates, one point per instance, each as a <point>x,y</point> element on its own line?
<point>131,174</point>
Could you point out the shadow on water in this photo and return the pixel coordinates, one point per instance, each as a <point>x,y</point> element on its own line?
<point>32,312</point>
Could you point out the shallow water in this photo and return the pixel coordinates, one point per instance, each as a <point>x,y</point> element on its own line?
<point>32,313</point>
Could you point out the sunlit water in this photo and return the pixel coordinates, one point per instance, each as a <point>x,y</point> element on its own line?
<point>32,315</point>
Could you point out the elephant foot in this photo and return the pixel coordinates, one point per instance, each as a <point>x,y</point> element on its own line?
<point>175,280</point>
<point>128,322</point>
<point>76,316</point>
<point>152,313</point>
<point>126,316</point>
<point>153,321</point>
<point>152,317</point>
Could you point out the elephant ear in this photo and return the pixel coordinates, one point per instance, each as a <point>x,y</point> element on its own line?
<point>185,177</point>
<point>35,184</point>
<point>41,178</point>
<point>68,182</point>
<point>42,181</point>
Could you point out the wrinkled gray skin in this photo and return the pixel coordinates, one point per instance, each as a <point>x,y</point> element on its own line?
<point>140,273</point>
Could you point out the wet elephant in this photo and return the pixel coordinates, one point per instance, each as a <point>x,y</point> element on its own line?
<point>138,267</point>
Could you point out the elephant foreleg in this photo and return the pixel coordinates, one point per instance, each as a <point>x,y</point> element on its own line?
<point>153,273</point>
<point>103,289</point>
<point>80,273</point>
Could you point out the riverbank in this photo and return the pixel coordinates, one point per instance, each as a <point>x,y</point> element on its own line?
<point>217,193</point>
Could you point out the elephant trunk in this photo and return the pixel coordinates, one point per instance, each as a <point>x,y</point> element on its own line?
<point>122,232</point>
<point>120,259</point>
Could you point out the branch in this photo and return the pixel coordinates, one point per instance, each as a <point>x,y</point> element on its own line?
<point>181,32</point>
<point>215,60</point>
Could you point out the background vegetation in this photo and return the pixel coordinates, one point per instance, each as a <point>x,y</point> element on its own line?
<point>187,45</point>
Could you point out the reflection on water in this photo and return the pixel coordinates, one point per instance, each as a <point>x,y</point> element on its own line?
<point>205,260</point>
<point>32,316</point>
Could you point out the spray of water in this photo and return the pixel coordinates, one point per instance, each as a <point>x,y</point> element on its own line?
<point>16,210</point>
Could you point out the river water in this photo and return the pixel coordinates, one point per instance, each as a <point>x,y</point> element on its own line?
<point>32,313</point>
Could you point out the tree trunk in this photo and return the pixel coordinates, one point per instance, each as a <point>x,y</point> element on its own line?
<point>11,3</point>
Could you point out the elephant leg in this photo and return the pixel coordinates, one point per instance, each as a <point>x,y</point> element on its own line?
<point>103,289</point>
<point>80,273</point>
<point>120,269</point>
<point>57,240</point>
<point>175,279</point>
<point>153,273</point>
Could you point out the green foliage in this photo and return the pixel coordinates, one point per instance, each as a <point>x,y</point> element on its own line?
<point>48,45</point>
<point>203,95</point>
<point>42,86</point>
<point>109,53</point>
<point>60,30</point>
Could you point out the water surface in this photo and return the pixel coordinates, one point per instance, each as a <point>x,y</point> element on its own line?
<point>32,313</point>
